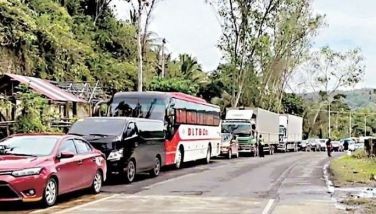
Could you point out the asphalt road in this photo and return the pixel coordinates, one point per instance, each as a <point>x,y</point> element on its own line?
<point>282,183</point>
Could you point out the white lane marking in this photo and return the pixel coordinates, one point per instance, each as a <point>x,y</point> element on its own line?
<point>87,204</point>
<point>268,206</point>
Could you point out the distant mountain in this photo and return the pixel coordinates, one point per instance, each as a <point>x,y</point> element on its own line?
<point>357,98</point>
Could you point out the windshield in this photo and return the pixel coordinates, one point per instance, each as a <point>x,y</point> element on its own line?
<point>241,128</point>
<point>28,145</point>
<point>100,126</point>
<point>144,107</point>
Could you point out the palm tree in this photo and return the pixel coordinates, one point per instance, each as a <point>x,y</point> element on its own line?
<point>190,69</point>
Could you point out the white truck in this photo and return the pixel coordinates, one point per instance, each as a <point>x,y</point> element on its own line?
<point>248,124</point>
<point>290,132</point>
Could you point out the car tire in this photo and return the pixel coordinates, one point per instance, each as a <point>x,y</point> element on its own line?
<point>157,167</point>
<point>130,171</point>
<point>50,193</point>
<point>229,156</point>
<point>97,183</point>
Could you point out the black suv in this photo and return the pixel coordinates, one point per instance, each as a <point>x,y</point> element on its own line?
<point>131,145</point>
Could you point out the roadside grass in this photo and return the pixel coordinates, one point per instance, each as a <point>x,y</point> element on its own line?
<point>354,170</point>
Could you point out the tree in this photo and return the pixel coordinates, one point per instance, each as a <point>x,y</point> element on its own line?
<point>327,70</point>
<point>187,67</point>
<point>263,41</point>
<point>293,104</point>
<point>174,85</point>
<point>142,11</point>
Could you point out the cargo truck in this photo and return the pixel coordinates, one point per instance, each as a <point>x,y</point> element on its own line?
<point>290,132</point>
<point>248,124</point>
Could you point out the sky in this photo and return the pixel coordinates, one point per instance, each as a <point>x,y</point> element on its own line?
<point>191,26</point>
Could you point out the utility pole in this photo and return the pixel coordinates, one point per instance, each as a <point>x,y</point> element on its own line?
<point>365,125</point>
<point>163,58</point>
<point>329,126</point>
<point>350,126</point>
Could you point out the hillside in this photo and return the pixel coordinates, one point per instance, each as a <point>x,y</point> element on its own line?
<point>67,41</point>
<point>357,98</point>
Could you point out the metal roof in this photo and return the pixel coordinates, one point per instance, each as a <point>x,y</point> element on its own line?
<point>45,88</point>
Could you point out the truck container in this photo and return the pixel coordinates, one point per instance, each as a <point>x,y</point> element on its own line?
<point>290,132</point>
<point>251,123</point>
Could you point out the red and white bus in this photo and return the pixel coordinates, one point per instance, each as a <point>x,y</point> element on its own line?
<point>192,125</point>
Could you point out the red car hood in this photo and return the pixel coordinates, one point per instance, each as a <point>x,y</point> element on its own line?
<point>11,162</point>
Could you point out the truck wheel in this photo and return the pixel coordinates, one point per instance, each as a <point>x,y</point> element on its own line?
<point>229,154</point>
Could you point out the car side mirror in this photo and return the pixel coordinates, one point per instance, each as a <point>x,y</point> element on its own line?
<point>66,155</point>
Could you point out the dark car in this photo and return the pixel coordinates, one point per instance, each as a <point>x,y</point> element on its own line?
<point>41,167</point>
<point>131,145</point>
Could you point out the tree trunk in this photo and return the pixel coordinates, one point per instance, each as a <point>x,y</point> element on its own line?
<point>314,119</point>
<point>139,48</point>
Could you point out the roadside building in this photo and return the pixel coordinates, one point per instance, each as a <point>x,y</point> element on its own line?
<point>63,104</point>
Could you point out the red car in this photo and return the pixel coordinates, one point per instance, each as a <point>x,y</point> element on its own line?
<point>41,167</point>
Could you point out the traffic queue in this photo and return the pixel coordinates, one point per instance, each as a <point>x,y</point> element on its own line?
<point>140,132</point>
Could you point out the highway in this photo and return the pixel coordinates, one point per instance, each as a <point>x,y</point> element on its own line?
<point>282,183</point>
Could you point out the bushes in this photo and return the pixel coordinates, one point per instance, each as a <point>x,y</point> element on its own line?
<point>34,116</point>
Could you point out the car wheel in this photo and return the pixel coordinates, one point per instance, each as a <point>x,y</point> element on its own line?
<point>97,183</point>
<point>50,193</point>
<point>179,159</point>
<point>157,168</point>
<point>130,172</point>
<point>229,154</point>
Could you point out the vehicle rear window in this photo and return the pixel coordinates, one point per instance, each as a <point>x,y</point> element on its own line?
<point>98,126</point>
<point>150,129</point>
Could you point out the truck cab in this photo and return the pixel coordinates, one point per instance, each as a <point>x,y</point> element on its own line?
<point>242,133</point>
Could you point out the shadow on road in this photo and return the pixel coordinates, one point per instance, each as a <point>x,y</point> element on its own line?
<point>19,207</point>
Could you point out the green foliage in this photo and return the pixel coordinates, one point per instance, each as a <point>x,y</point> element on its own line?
<point>174,85</point>
<point>293,104</point>
<point>34,115</point>
<point>59,40</point>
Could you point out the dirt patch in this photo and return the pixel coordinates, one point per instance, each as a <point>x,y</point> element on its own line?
<point>360,205</point>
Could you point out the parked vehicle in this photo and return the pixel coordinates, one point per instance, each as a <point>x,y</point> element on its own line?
<point>303,145</point>
<point>249,124</point>
<point>348,144</point>
<point>322,144</point>
<point>337,146</point>
<point>131,145</point>
<point>313,144</point>
<point>192,125</point>
<point>43,167</point>
<point>229,145</point>
<point>290,132</point>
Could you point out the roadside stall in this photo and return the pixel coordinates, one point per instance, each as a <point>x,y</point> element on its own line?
<point>65,106</point>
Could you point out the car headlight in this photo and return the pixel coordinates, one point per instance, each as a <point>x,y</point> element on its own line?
<point>115,155</point>
<point>27,172</point>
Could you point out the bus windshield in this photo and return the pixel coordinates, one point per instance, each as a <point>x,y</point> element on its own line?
<point>140,107</point>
